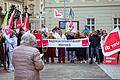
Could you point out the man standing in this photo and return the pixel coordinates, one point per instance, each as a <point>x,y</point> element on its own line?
<point>94,43</point>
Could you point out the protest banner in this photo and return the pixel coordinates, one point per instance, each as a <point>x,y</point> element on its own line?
<point>66,43</point>
<point>111,47</point>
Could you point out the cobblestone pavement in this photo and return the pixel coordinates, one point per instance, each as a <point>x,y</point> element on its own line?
<point>66,71</point>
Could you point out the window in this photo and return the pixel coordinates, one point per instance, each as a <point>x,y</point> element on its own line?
<point>116,22</point>
<point>91,23</point>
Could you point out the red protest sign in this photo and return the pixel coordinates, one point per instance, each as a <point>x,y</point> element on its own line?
<point>85,42</point>
<point>45,42</point>
<point>111,44</point>
<point>39,39</point>
<point>111,59</point>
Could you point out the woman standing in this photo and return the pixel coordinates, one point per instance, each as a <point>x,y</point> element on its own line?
<point>51,50</point>
<point>27,60</point>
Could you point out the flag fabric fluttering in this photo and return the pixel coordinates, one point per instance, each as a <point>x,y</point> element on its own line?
<point>71,18</point>
<point>5,27</point>
<point>111,44</point>
<point>19,23</point>
<point>11,20</point>
<point>57,14</point>
<point>71,14</point>
<point>26,24</point>
<point>71,26</point>
<point>5,19</point>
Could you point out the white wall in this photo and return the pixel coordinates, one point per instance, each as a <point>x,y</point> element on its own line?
<point>103,11</point>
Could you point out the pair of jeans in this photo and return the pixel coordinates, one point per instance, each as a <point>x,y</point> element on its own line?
<point>71,55</point>
<point>10,67</point>
<point>96,49</point>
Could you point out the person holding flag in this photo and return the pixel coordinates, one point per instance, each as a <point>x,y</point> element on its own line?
<point>11,42</point>
<point>10,36</point>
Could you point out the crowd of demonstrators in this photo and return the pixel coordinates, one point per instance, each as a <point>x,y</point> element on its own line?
<point>8,42</point>
<point>82,54</point>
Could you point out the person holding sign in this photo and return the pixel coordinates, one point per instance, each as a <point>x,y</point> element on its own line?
<point>70,35</point>
<point>61,51</point>
<point>94,43</point>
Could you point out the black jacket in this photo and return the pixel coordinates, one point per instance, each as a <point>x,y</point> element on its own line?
<point>94,41</point>
<point>69,37</point>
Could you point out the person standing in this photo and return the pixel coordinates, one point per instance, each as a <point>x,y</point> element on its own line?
<point>94,43</point>
<point>61,51</point>
<point>27,60</point>
<point>71,50</point>
<point>2,53</point>
<point>51,50</point>
<point>11,42</point>
<point>19,35</point>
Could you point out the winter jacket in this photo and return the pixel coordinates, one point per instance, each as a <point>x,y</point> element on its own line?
<point>27,63</point>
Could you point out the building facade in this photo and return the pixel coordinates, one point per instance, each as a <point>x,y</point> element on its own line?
<point>97,14</point>
<point>6,3</point>
<point>35,7</point>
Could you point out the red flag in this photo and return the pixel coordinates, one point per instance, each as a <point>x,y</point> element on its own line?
<point>111,44</point>
<point>26,24</point>
<point>11,20</point>
<point>19,23</point>
<point>57,14</point>
<point>9,24</point>
<point>71,26</point>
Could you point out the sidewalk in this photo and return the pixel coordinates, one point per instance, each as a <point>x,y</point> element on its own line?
<point>76,71</point>
<point>112,70</point>
<point>4,75</point>
<point>66,71</point>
